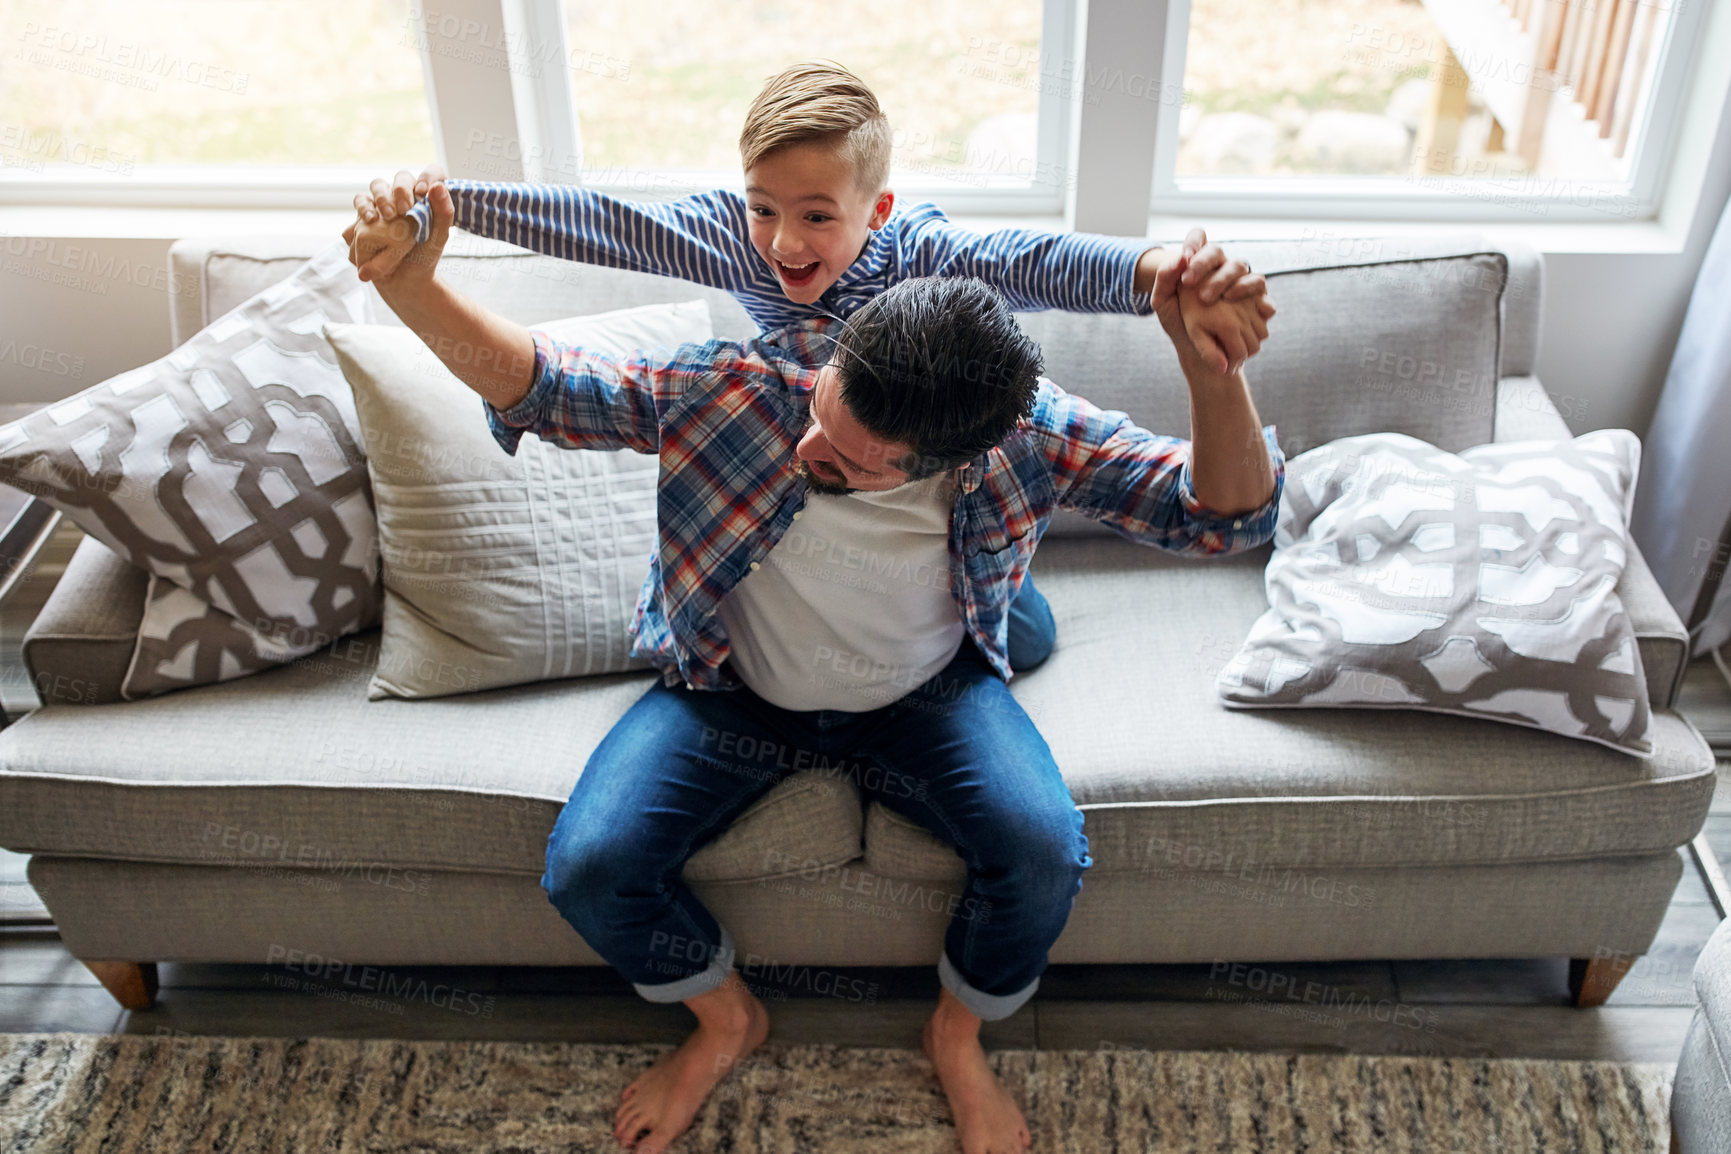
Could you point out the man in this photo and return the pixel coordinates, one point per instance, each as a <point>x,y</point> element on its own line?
<point>880,501</point>
<point>818,231</point>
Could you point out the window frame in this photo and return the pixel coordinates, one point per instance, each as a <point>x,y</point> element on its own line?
<point>1092,138</point>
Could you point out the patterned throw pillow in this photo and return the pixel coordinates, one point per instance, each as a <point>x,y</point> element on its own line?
<point>501,569</point>
<point>232,470</point>
<point>183,641</point>
<point>1482,584</point>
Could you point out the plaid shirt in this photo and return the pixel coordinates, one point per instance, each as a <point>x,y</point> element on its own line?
<point>705,238</point>
<point>724,418</point>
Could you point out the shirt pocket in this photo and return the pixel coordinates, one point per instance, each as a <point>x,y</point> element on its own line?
<point>993,557</point>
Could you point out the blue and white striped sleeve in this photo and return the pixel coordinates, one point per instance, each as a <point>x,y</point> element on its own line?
<point>701,238</point>
<point>1077,271</point>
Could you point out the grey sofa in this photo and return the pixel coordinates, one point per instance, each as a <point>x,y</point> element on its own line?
<point>285,812</point>
<point>1701,1091</point>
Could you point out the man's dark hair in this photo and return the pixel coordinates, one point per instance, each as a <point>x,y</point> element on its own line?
<point>940,365</point>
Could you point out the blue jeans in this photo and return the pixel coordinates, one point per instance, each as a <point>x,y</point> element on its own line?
<point>1032,630</point>
<point>957,755</point>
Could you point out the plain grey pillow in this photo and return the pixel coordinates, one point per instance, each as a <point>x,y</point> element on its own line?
<point>1482,583</point>
<point>499,569</point>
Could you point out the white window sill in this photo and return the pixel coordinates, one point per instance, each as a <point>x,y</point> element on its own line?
<point>91,222</point>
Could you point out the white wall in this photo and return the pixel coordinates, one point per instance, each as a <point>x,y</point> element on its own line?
<point>75,312</point>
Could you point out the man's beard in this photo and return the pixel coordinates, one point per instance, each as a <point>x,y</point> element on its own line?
<point>817,484</point>
<point>803,467</point>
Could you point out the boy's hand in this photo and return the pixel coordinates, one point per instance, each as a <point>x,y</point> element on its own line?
<point>1222,334</point>
<point>383,248</point>
<point>1209,270</point>
<point>386,201</point>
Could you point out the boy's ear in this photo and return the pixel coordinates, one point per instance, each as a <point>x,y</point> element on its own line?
<point>886,201</point>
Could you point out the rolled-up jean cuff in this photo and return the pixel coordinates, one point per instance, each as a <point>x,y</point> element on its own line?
<point>988,1007</point>
<point>720,965</point>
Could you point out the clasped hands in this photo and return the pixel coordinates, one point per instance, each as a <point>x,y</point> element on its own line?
<point>1214,309</point>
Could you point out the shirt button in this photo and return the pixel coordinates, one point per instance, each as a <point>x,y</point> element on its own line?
<point>756,565</point>
<point>1238,524</point>
<point>798,513</point>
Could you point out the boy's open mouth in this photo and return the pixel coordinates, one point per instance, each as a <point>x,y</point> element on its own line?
<point>797,275</point>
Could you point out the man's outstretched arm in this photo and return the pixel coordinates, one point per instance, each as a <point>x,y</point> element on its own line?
<point>1230,468</point>
<point>1219,492</point>
<point>1158,489</point>
<point>492,355</point>
<point>529,382</point>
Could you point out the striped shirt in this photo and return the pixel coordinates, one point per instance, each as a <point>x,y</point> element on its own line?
<point>724,418</point>
<point>704,238</point>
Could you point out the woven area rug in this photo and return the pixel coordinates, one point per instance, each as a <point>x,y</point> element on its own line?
<point>70,1092</point>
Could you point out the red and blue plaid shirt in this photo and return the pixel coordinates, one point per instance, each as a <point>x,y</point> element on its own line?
<point>724,418</point>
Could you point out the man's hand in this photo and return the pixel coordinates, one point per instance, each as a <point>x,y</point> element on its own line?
<point>1221,335</point>
<point>1226,333</point>
<point>382,239</point>
<point>1224,307</point>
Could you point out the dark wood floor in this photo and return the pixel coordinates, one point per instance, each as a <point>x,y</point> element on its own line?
<point>1486,1008</point>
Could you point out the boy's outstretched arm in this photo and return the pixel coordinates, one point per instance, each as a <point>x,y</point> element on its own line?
<point>701,238</point>
<point>1075,271</point>
<point>1086,272</point>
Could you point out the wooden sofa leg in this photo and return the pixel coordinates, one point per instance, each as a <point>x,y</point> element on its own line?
<point>1591,980</point>
<point>133,984</point>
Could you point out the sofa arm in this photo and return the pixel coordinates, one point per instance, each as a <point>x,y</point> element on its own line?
<point>1525,413</point>
<point>1701,1092</point>
<point>78,648</point>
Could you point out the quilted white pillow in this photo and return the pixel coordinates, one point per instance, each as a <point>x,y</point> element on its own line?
<point>1482,584</point>
<point>500,570</point>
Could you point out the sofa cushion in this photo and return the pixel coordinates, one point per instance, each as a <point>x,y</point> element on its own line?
<point>78,646</point>
<point>295,764</point>
<point>1403,338</point>
<point>1359,346</point>
<point>295,767</point>
<point>1171,779</point>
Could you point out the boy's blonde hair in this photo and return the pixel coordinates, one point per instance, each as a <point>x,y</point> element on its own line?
<point>820,101</point>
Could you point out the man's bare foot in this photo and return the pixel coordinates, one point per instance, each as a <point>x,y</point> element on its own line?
<point>731,1023</point>
<point>987,1118</point>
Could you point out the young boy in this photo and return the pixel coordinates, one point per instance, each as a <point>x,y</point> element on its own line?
<point>817,233</point>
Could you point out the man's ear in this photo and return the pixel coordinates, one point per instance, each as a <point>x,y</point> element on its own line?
<point>886,201</point>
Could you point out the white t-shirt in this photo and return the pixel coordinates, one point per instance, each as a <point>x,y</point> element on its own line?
<point>851,609</point>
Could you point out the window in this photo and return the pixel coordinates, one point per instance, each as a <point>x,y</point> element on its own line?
<point>1503,106</point>
<point>661,98</point>
<point>119,87</point>
<point>1415,109</point>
